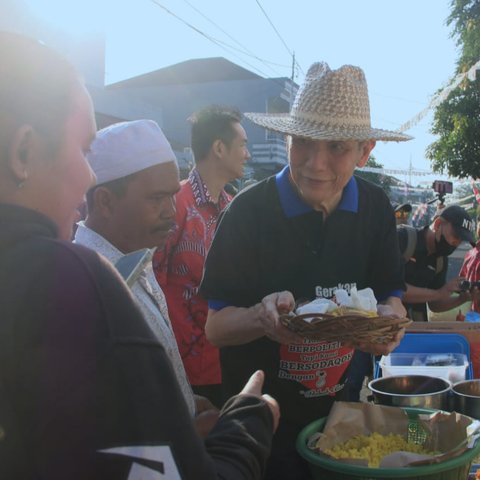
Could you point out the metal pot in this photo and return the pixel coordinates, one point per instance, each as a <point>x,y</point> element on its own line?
<point>418,391</point>
<point>466,397</point>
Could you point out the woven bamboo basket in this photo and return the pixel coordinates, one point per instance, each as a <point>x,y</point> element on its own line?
<point>345,325</point>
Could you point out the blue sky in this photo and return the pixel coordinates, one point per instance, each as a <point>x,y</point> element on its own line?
<point>404,47</point>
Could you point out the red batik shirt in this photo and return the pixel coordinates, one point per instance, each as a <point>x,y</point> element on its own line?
<point>471,269</point>
<point>179,268</point>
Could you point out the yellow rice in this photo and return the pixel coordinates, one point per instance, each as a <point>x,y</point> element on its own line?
<point>373,447</point>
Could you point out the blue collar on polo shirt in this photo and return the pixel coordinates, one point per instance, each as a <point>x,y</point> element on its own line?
<point>293,205</point>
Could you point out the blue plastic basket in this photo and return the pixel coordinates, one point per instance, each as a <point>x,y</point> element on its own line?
<point>432,343</point>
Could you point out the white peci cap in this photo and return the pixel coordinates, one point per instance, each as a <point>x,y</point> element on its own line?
<point>128,147</point>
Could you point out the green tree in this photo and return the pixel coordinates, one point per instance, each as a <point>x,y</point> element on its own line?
<point>380,179</point>
<point>457,119</point>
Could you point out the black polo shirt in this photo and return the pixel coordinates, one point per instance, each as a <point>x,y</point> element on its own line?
<point>269,240</point>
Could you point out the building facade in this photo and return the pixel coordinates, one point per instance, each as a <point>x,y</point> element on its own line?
<point>175,92</point>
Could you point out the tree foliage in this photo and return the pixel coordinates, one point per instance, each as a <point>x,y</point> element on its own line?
<point>380,179</point>
<point>457,119</point>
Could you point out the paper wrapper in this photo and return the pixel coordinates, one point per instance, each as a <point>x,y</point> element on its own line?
<point>448,433</point>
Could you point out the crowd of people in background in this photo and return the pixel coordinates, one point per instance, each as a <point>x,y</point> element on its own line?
<point>104,380</point>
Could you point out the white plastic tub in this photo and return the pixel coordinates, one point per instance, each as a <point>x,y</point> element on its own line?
<point>451,366</point>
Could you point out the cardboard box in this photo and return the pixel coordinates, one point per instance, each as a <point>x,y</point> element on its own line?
<point>471,331</point>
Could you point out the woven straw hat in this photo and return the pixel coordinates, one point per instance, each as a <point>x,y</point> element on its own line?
<point>330,105</point>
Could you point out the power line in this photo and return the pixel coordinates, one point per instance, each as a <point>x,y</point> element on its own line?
<point>275,30</point>
<point>244,50</point>
<point>219,43</point>
<point>396,98</point>
<point>278,34</point>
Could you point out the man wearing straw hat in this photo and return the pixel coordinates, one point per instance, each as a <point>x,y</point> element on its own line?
<point>301,234</point>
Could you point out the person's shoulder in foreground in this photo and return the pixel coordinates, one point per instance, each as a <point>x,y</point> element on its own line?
<point>73,344</point>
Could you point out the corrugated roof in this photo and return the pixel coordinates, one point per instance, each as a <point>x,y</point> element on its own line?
<point>198,70</point>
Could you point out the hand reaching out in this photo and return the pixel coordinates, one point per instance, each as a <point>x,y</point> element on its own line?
<point>452,286</point>
<point>254,387</point>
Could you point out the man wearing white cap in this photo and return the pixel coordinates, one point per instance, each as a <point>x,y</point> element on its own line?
<point>132,207</point>
<point>302,234</point>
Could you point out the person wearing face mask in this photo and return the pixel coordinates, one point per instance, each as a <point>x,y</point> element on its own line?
<point>426,253</point>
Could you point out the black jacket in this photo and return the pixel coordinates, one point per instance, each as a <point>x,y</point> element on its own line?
<point>86,392</point>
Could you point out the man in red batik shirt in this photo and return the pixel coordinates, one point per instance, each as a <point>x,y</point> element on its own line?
<point>219,145</point>
<point>471,268</point>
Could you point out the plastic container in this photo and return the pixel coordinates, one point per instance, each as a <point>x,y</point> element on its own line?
<point>432,343</point>
<point>472,317</point>
<point>450,366</point>
<point>323,467</point>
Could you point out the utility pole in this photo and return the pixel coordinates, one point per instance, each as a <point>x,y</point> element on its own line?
<point>290,87</point>
<point>293,66</point>
<point>410,171</point>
